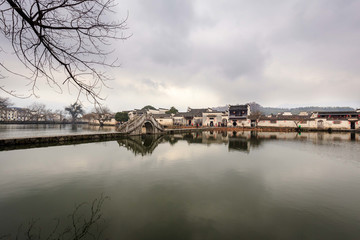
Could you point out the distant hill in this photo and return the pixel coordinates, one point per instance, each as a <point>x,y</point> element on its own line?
<point>221,109</point>
<point>270,110</point>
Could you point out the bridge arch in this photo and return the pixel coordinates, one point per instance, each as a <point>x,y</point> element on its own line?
<point>141,124</point>
<point>149,127</point>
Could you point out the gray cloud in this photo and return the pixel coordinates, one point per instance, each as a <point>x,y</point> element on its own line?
<point>196,53</point>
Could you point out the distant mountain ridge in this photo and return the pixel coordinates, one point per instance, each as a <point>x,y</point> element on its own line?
<point>273,110</point>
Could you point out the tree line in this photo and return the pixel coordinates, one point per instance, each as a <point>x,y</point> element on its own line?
<point>75,111</point>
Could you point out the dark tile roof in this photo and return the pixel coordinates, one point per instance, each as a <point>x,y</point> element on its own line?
<point>197,110</point>
<point>162,115</point>
<point>285,118</point>
<point>238,107</point>
<point>180,114</point>
<point>139,111</point>
<point>189,114</point>
<point>337,113</point>
<point>212,115</point>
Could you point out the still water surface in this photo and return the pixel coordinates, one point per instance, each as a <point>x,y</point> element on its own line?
<point>210,185</point>
<point>35,130</point>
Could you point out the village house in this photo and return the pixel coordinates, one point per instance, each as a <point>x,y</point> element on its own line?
<point>238,115</point>
<point>15,114</point>
<point>193,117</point>
<point>95,119</point>
<point>286,121</point>
<point>178,119</point>
<point>213,119</point>
<point>337,120</point>
<point>164,119</point>
<point>139,112</point>
<point>136,112</point>
<point>158,111</point>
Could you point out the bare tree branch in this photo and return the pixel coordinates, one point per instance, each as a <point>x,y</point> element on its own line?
<point>85,219</point>
<point>63,36</point>
<point>102,114</point>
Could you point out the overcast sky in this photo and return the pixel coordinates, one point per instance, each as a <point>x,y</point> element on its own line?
<point>211,53</point>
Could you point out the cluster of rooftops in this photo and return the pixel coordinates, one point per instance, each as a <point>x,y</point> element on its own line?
<point>244,116</point>
<point>245,112</point>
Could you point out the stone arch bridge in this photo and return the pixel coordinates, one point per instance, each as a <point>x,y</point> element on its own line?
<point>136,125</point>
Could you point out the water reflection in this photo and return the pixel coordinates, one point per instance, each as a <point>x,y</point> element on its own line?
<point>143,145</point>
<point>84,222</point>
<point>33,130</point>
<point>235,141</point>
<point>201,185</point>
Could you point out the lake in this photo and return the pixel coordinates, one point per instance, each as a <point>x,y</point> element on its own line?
<point>209,185</point>
<point>35,130</point>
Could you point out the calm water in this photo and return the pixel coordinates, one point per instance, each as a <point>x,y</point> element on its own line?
<point>32,130</point>
<point>194,186</point>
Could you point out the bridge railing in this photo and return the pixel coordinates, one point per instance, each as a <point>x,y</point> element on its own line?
<point>137,122</point>
<point>156,123</point>
<point>133,124</point>
<point>125,125</point>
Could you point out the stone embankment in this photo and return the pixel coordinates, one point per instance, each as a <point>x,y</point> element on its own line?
<point>39,122</point>
<point>59,140</point>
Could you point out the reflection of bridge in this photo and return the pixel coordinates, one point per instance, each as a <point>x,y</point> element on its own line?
<point>141,144</point>
<point>136,125</point>
<point>236,141</point>
<point>146,144</point>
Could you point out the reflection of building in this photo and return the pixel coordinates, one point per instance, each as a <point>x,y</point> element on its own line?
<point>239,144</point>
<point>236,141</point>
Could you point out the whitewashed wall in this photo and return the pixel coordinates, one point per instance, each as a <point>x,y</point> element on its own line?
<point>311,124</point>
<point>179,121</point>
<point>206,120</point>
<point>240,123</point>
<point>165,121</point>
<point>333,124</point>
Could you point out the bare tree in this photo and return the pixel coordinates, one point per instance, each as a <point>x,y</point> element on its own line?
<point>256,115</point>
<point>60,114</point>
<point>4,108</point>
<point>85,222</point>
<point>75,110</point>
<point>4,102</point>
<point>37,111</point>
<point>62,36</point>
<point>102,114</point>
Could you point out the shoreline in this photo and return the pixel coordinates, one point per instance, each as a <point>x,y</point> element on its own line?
<point>94,137</point>
<point>258,129</point>
<point>38,122</point>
